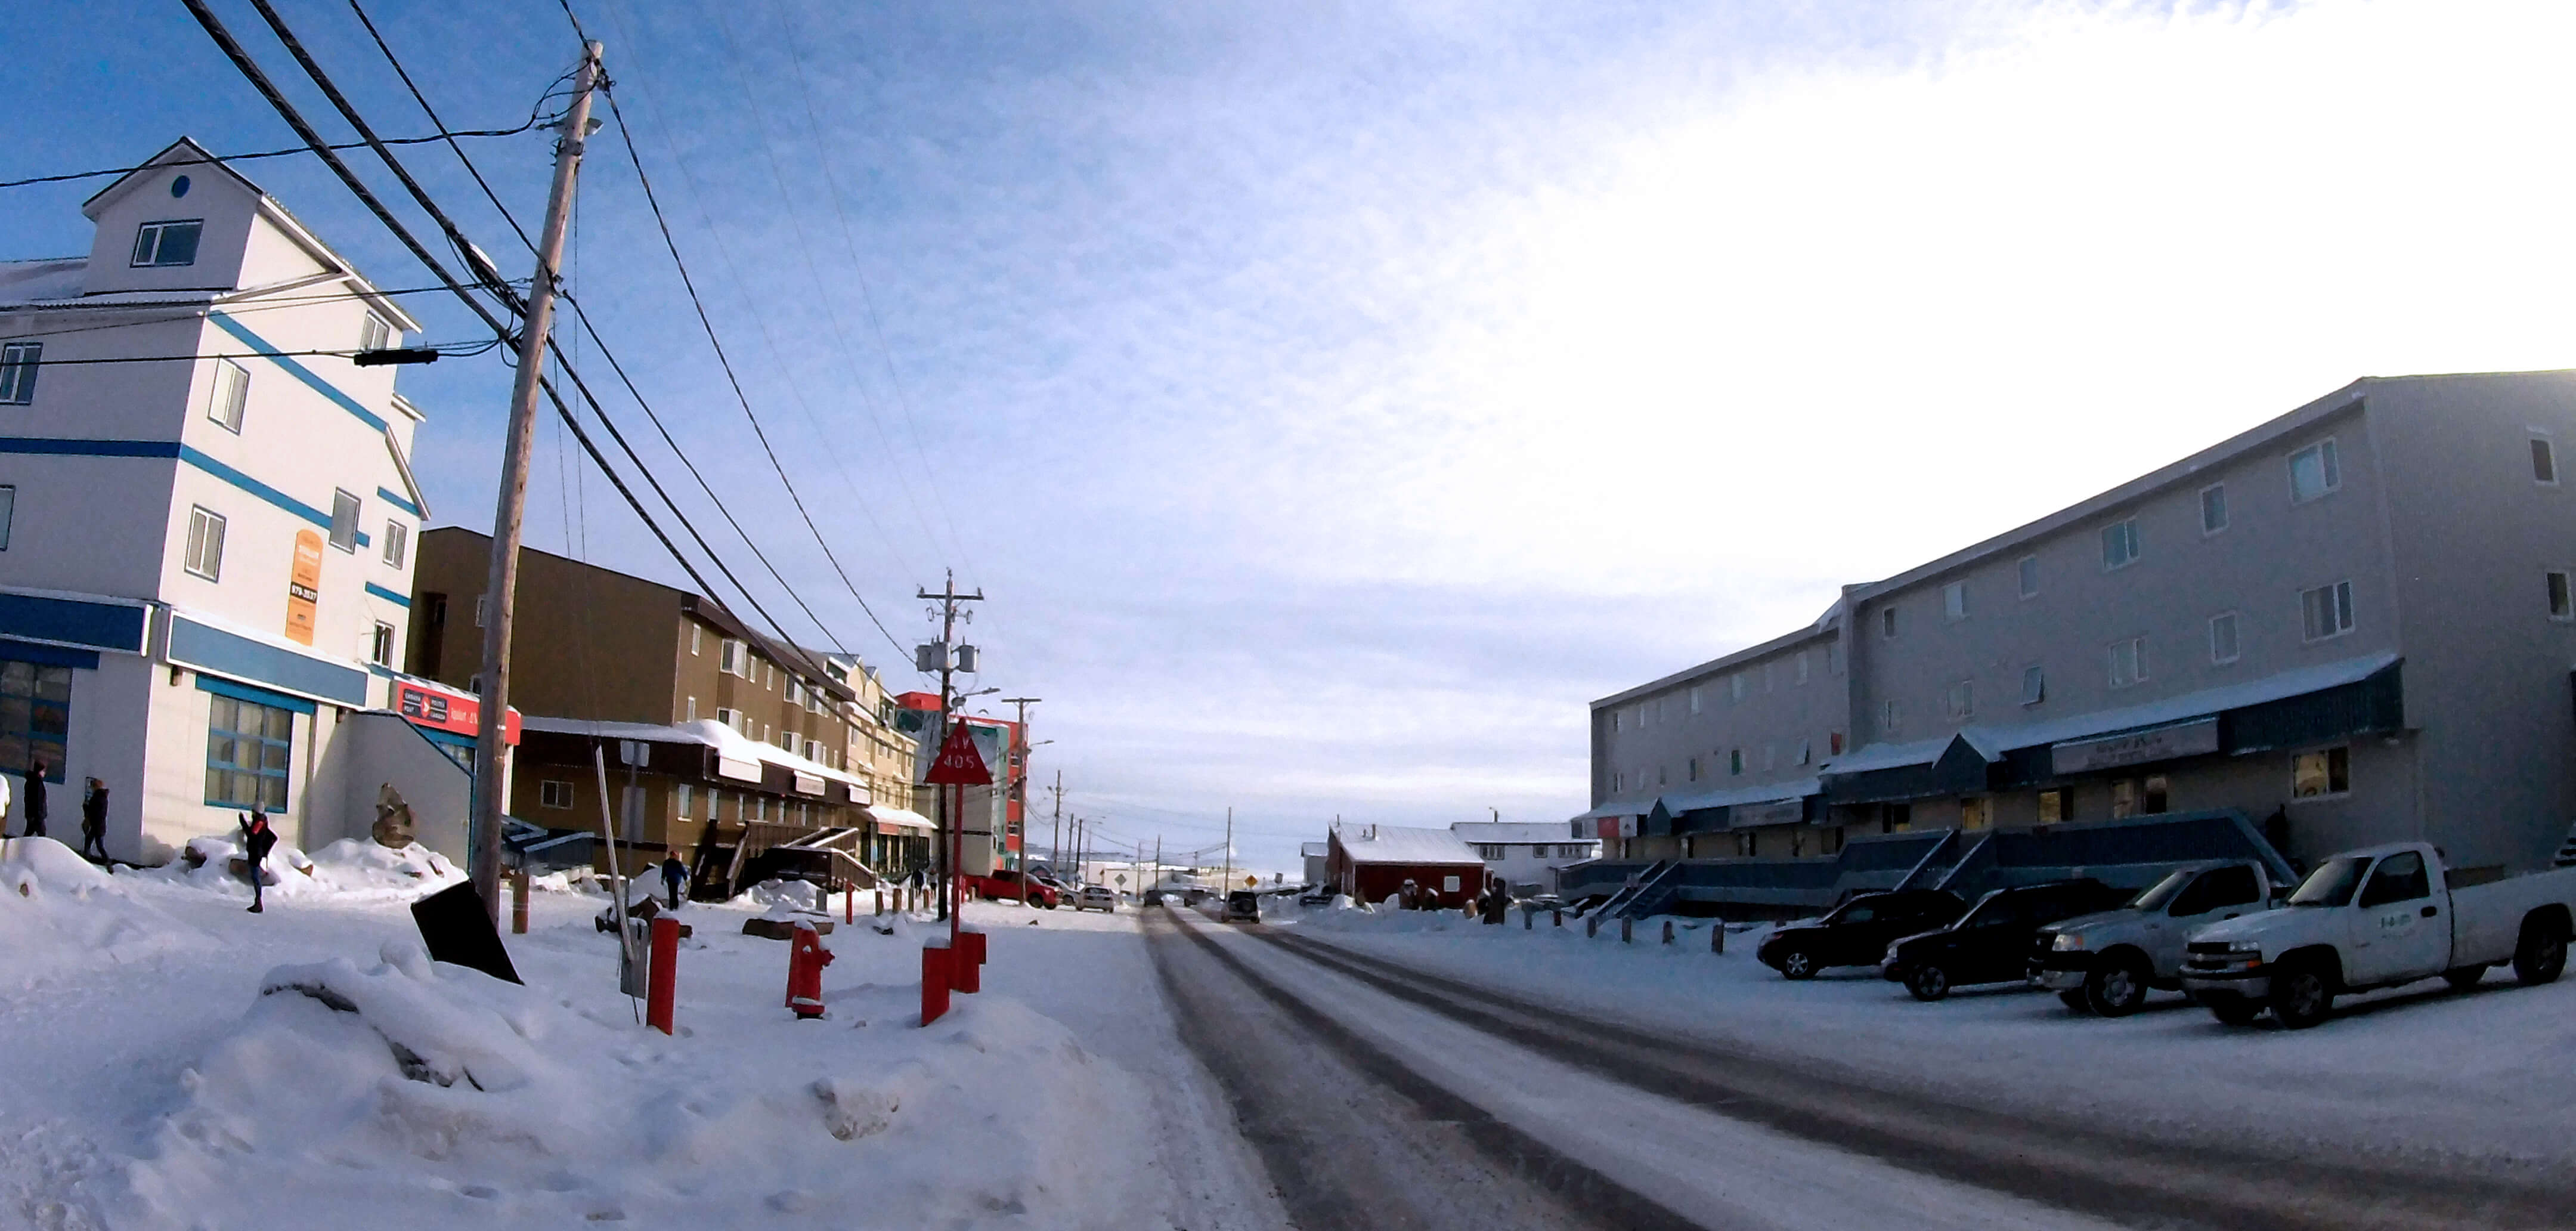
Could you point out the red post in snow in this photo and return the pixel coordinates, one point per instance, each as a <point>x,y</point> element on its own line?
<point>934,981</point>
<point>806,958</point>
<point>662,975</point>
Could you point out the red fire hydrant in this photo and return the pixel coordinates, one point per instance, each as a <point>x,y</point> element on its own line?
<point>806,958</point>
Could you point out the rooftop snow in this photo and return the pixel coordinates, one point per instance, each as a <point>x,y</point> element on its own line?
<point>42,281</point>
<point>1400,844</point>
<point>1509,831</point>
<point>705,732</point>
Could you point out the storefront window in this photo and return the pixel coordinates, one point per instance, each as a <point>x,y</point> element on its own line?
<point>248,749</point>
<point>35,715</point>
<point>1976,813</point>
<point>2055,807</point>
<point>2327,771</point>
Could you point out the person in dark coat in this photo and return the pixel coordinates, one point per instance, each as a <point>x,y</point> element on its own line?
<point>94,821</point>
<point>675,879</point>
<point>257,839</point>
<point>35,799</point>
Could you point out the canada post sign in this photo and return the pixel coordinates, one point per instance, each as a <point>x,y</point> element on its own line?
<point>2186,739</point>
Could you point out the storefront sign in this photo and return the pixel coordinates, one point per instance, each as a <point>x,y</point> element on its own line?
<point>2185,739</point>
<point>304,587</point>
<point>1777,812</point>
<point>740,769</point>
<point>1628,826</point>
<point>809,784</point>
<point>447,711</point>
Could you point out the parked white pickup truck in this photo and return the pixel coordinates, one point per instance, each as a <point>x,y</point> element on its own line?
<point>2105,963</point>
<point>2378,917</point>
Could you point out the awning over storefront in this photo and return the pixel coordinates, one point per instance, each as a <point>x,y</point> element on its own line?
<point>1879,774</point>
<point>900,822</point>
<point>1616,819</point>
<point>1772,803</point>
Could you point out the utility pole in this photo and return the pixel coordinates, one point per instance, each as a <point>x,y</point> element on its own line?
<point>500,590</point>
<point>1228,883</point>
<point>951,843</point>
<point>1055,841</point>
<point>1019,785</point>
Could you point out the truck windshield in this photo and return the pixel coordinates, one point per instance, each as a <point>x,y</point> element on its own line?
<point>2163,891</point>
<point>2333,883</point>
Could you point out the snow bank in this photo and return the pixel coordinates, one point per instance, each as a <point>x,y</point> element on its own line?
<point>348,868</point>
<point>57,908</point>
<point>429,1094</point>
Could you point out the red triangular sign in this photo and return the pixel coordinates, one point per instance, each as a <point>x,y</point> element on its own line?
<point>959,764</point>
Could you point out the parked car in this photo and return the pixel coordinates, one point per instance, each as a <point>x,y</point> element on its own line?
<point>2106,963</point>
<point>1242,906</point>
<point>1857,932</point>
<point>1991,943</point>
<point>1096,897</point>
<point>1011,885</point>
<point>1542,901</point>
<point>2379,917</point>
<point>1317,895</point>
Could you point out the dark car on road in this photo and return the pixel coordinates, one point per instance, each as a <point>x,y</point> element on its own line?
<point>1991,943</point>
<point>1242,906</point>
<point>1857,933</point>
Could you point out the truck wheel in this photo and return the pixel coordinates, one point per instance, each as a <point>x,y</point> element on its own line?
<point>1797,964</point>
<point>2074,999</point>
<point>2463,978</point>
<point>2117,988</point>
<point>2541,955</point>
<point>2234,1010</point>
<point>1928,982</point>
<point>2302,996</point>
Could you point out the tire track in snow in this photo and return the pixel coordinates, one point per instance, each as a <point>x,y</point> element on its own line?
<point>2077,1166</point>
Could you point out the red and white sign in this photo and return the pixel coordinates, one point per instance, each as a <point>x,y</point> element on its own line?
<point>959,764</point>
<point>429,705</point>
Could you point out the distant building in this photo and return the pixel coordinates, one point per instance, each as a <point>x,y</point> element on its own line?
<point>992,829</point>
<point>1372,863</point>
<point>1318,856</point>
<point>206,524</point>
<point>1525,854</point>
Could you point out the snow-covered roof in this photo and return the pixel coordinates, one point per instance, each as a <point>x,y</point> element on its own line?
<point>1769,792</point>
<point>1509,831</point>
<point>1403,844</point>
<point>1314,850</point>
<point>41,281</point>
<point>705,732</point>
<point>1618,807</point>
<point>1992,742</point>
<point>902,817</point>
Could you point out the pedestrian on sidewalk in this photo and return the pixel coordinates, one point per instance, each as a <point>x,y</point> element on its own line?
<point>35,798</point>
<point>675,879</point>
<point>257,839</point>
<point>94,821</point>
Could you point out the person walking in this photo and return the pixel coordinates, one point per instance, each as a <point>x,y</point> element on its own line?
<point>94,821</point>
<point>257,839</point>
<point>675,879</point>
<point>35,798</point>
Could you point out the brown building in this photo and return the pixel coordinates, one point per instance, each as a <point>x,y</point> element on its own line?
<point>720,743</point>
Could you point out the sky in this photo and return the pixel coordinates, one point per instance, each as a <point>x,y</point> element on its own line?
<point>1332,400</point>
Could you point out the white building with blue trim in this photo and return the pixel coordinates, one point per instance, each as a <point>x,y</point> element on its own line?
<point>206,519</point>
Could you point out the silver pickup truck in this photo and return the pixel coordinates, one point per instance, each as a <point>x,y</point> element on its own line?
<point>2105,963</point>
<point>2378,917</point>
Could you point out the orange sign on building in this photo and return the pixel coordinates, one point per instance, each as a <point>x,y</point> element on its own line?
<point>304,587</point>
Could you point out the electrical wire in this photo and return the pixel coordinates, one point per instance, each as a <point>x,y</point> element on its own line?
<point>534,121</point>
<point>229,308</point>
<point>462,350</point>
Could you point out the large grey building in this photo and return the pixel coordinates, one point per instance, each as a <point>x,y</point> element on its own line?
<point>2353,623</point>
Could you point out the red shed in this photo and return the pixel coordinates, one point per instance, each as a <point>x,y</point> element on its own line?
<point>1372,862</point>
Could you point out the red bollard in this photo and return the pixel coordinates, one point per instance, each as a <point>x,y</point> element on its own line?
<point>934,980</point>
<point>806,958</point>
<point>662,975</point>
<point>966,965</point>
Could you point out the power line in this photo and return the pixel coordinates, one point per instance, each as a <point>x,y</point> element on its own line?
<point>534,120</point>
<point>466,349</point>
<point>229,308</point>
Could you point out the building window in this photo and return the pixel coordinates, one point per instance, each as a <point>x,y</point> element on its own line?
<point>2560,605</point>
<point>2327,610</point>
<point>2138,796</point>
<point>1976,812</point>
<point>1895,818</point>
<point>397,543</point>
<point>1833,658</point>
<point>2314,471</point>
<point>2315,775</point>
<point>1735,687</point>
<point>2222,638</point>
<point>8,512</point>
<point>248,749</point>
<point>729,717</point>
<point>1887,621</point>
<point>19,363</point>
<point>2213,508</point>
<point>1963,700</point>
<point>2029,569</point>
<point>228,394</point>
<point>35,716</point>
<point>1691,769</point>
<point>554,793</point>
<point>1887,717</point>
<point>685,794</point>
<point>1694,698</point>
<point>375,333</point>
<point>1746,844</point>
<point>694,630</point>
<point>380,646</point>
<point>167,243</point>
<point>1735,761</point>
<point>1954,601</point>
<point>1833,743</point>
<point>731,660</point>
<point>2120,544</point>
<point>1800,676</point>
<point>692,710</point>
<point>2055,807</point>
<point>2128,661</point>
<point>1806,752</point>
<point>205,556</point>
<point>344,521</point>
<point>2034,685</point>
<point>482,611</point>
<point>2544,459</point>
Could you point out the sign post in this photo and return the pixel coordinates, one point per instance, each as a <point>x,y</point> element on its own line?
<point>960,766</point>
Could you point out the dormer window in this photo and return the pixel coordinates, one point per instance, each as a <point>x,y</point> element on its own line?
<point>375,334</point>
<point>167,243</point>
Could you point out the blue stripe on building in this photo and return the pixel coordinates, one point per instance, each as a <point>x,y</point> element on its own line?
<point>389,596</point>
<point>256,696</point>
<point>212,649</point>
<point>47,655</point>
<point>254,487</point>
<point>396,500</point>
<point>108,626</point>
<point>297,370</point>
<point>61,447</point>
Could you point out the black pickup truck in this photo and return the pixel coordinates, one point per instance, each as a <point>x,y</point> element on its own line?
<point>1857,932</point>
<point>1991,943</point>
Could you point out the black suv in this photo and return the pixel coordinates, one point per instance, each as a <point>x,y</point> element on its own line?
<point>1857,932</point>
<point>1991,943</point>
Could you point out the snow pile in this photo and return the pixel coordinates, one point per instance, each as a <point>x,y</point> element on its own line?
<point>348,868</point>
<point>57,908</point>
<point>430,1094</point>
<point>778,898</point>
